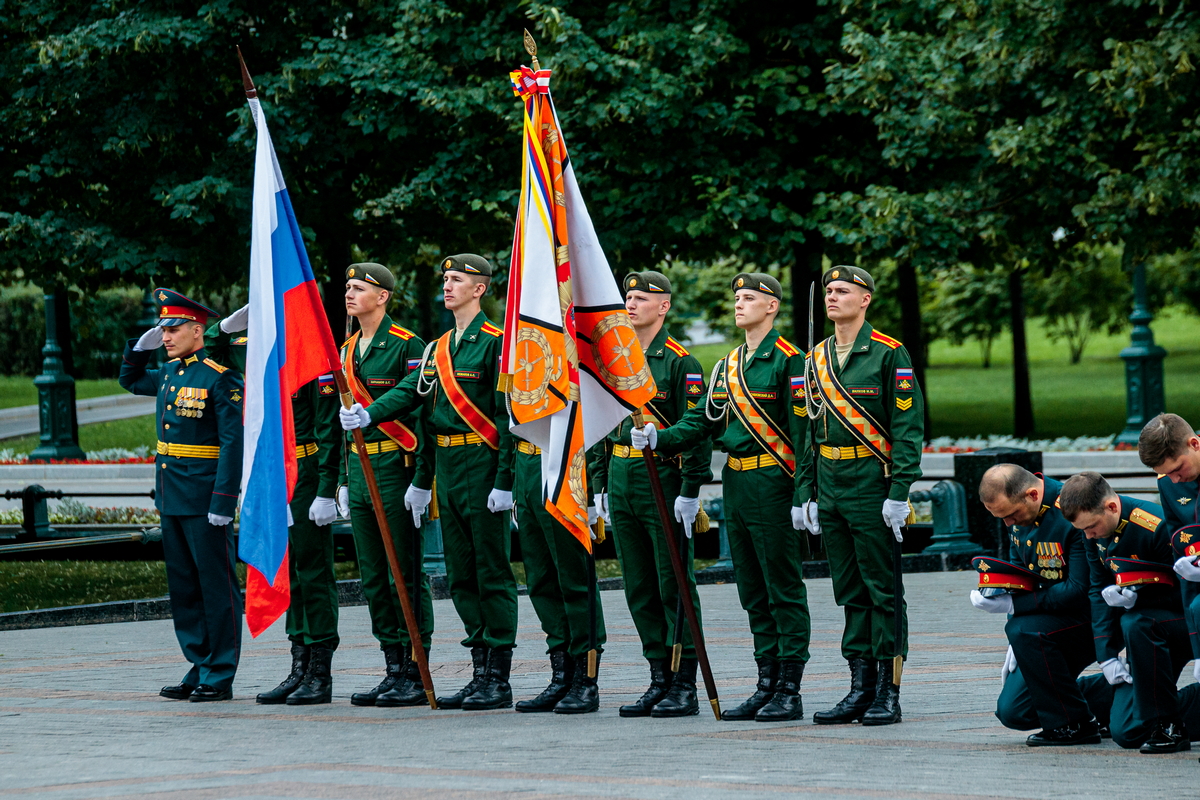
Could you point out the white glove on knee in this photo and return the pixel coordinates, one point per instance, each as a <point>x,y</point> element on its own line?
<point>1119,597</point>
<point>1115,672</point>
<point>1000,604</point>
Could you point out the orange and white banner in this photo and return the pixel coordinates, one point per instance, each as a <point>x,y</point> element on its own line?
<point>572,365</point>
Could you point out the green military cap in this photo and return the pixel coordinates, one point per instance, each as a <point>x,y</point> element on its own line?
<point>649,281</point>
<point>850,274</point>
<point>759,282</point>
<point>468,263</point>
<point>374,274</point>
<point>177,309</point>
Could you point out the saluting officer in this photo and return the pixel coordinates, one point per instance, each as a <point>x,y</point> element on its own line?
<point>468,416</point>
<point>1049,630</point>
<point>312,614</point>
<point>375,359</point>
<point>623,498</point>
<point>866,431</point>
<point>198,477</point>
<point>1140,612</point>
<point>754,410</point>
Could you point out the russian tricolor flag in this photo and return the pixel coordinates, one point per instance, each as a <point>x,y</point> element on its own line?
<point>289,344</point>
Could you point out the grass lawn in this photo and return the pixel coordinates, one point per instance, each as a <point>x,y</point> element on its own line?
<point>18,390</point>
<point>30,585</point>
<point>127,433</point>
<point>1084,399</point>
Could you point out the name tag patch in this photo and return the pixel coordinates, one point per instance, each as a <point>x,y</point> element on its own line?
<point>468,374</point>
<point>864,391</point>
<point>762,394</point>
<point>384,382</point>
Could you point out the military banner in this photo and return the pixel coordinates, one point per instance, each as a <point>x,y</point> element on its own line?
<point>572,366</point>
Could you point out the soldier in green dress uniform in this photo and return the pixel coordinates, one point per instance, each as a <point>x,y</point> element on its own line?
<point>866,431</point>
<point>1049,628</point>
<point>375,360</point>
<point>312,615</point>
<point>467,416</point>
<point>558,580</point>
<point>618,475</point>
<point>198,473</point>
<point>754,410</point>
<point>1147,620</point>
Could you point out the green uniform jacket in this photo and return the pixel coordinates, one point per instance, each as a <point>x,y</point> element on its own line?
<point>769,373</point>
<point>1145,536</point>
<point>1180,502</point>
<point>476,360</point>
<point>186,486</point>
<point>1063,566</point>
<point>314,408</point>
<point>393,354</point>
<point>680,388</point>
<point>875,376</point>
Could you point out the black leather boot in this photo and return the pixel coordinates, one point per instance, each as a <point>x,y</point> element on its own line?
<point>300,656</point>
<point>768,675</point>
<point>583,697</point>
<point>317,687</point>
<point>479,657</point>
<point>863,675</point>
<point>494,691</point>
<point>562,671</point>
<point>886,708</point>
<point>660,682</point>
<point>408,692</point>
<point>681,697</point>
<point>393,656</point>
<point>786,703</point>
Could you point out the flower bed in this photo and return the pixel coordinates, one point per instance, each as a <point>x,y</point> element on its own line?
<point>109,455</point>
<point>73,512</point>
<point>1065,444</point>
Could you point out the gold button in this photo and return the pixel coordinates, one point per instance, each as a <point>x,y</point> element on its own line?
<point>168,406</point>
<point>1028,542</point>
<point>172,388</point>
<point>836,452</point>
<point>167,426</point>
<point>179,373</point>
<point>164,466</point>
<point>1031,566</point>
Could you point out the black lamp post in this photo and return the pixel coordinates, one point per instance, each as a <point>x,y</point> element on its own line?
<point>1144,396</point>
<point>56,397</point>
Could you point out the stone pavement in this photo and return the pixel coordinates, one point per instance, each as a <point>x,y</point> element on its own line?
<point>80,718</point>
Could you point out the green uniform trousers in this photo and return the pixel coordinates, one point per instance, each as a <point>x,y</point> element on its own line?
<point>556,566</point>
<point>858,545</point>
<point>312,615</point>
<point>1051,650</point>
<point>477,546</point>
<point>387,617</point>
<point>206,605</point>
<point>768,560</point>
<point>650,587</point>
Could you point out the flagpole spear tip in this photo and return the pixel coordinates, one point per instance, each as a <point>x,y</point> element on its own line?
<point>531,48</point>
<point>248,84</point>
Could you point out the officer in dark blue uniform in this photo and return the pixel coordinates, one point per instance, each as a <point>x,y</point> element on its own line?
<point>1145,620</point>
<point>198,474</point>
<point>1049,630</point>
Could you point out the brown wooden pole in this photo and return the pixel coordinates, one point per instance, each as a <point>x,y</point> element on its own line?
<point>410,618</point>
<point>660,500</point>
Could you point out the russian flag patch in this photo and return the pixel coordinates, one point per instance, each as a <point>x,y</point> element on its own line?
<point>413,363</point>
<point>797,387</point>
<point>695,383</point>
<point>904,379</point>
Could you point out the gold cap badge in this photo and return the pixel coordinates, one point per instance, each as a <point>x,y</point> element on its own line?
<point>741,282</point>
<point>633,281</point>
<point>833,274</point>
<point>351,272</point>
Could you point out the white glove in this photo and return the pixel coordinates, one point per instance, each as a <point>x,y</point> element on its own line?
<point>237,321</point>
<point>593,515</point>
<point>323,511</point>
<point>150,340</point>
<point>1001,604</point>
<point>354,417</point>
<point>602,508</point>
<point>499,500</point>
<point>1010,666</point>
<point>644,437</point>
<point>686,511</point>
<point>798,523</point>
<point>895,512</point>
<point>219,520</point>
<point>1186,568</point>
<point>1118,597</point>
<point>343,501</point>
<point>804,518</point>
<point>417,500</point>
<point>1115,672</point>
<point>1196,669</point>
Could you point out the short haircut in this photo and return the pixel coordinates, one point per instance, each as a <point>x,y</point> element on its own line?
<point>1009,480</point>
<point>1164,437</point>
<point>1086,491</point>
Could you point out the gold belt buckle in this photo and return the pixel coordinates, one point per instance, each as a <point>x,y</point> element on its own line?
<point>835,453</point>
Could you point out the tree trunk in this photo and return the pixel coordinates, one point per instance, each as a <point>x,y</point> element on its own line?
<point>335,246</point>
<point>1022,399</point>
<point>805,271</point>
<point>911,330</point>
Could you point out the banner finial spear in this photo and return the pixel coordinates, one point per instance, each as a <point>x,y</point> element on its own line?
<point>248,84</point>
<point>531,48</point>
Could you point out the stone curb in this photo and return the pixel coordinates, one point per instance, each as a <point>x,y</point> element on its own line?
<point>350,594</point>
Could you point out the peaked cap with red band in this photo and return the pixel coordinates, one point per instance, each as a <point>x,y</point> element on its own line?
<point>176,309</point>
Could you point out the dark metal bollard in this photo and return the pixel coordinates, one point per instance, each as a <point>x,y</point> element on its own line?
<point>951,534</point>
<point>987,531</point>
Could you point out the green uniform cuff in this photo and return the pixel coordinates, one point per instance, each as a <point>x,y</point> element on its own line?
<point>1025,602</point>
<point>504,482</point>
<point>689,490</point>
<point>899,491</point>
